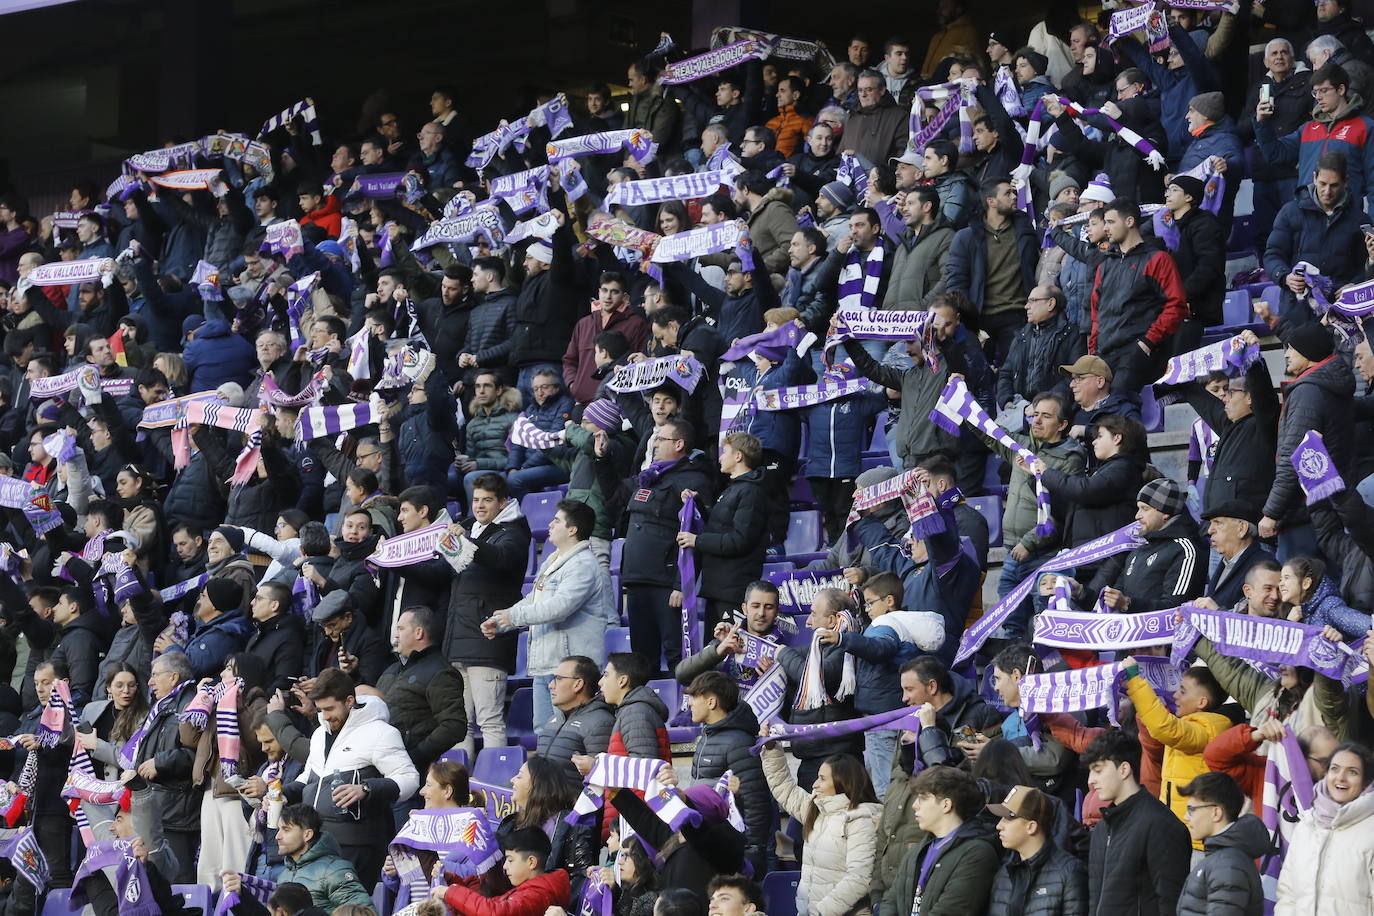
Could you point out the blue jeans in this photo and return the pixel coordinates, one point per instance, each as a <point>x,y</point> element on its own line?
<point>1017,625</point>
<point>543,705</point>
<point>524,381</point>
<point>879,747</point>
<point>532,480</point>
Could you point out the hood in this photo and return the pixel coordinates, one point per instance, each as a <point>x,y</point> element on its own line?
<point>86,621</point>
<point>781,195</point>
<point>1146,249</point>
<point>741,718</point>
<point>235,623</point>
<point>1354,104</point>
<point>645,694</point>
<point>1332,374</point>
<point>331,206</point>
<point>215,327</point>
<point>508,402</point>
<point>1248,834</point>
<point>1180,526</point>
<point>369,709</point>
<point>964,691</point>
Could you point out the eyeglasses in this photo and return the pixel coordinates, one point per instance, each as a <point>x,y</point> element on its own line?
<point>565,677</point>
<point>1320,91</point>
<point>1039,298</point>
<point>1323,762</point>
<point>363,456</point>
<point>1192,808</point>
<point>869,602</point>
<point>388,123</point>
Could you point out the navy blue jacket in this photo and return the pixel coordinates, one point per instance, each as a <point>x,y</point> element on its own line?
<point>966,271</point>
<point>425,440</point>
<point>947,582</point>
<point>839,434</point>
<point>1219,140</point>
<point>210,644</point>
<point>1176,87</point>
<point>217,355</point>
<point>778,430</point>
<point>163,311</point>
<point>550,417</point>
<point>1304,232</point>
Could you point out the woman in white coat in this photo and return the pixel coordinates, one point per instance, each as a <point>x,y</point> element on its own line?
<point>1329,868</point>
<point>840,827</point>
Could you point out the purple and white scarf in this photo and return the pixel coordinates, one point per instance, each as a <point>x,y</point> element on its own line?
<point>1095,687</point>
<point>1316,471</point>
<point>1231,356</point>
<point>703,240</point>
<point>598,898</point>
<point>1119,541</point>
<point>135,892</point>
<point>271,395</point>
<point>317,421</point>
<point>756,648</point>
<point>67,219</point>
<point>408,549</point>
<point>860,278</point>
<point>647,374</point>
<point>919,502</point>
<point>904,719</point>
<point>713,62</point>
<point>959,94</point>
<point>1004,87</point>
<point>766,695</point>
<point>85,378</point>
<point>692,186</point>
<point>304,108</point>
<point>379,186</point>
<point>522,191</point>
<point>689,520</point>
<point>60,445</point>
<point>524,432</point>
<point>1268,640</point>
<point>872,324</point>
<point>778,45</point>
<point>795,397</point>
<point>610,771</point>
<point>283,238</point>
<point>66,273</point>
<point>1288,795</point>
<point>164,158</point>
<point>640,144</point>
<point>206,281</point>
<point>260,889</point>
<point>1138,18</point>
<point>542,226</point>
<point>444,831</point>
<point>852,173</point>
<point>21,848</point>
<point>553,114</point>
<point>172,593</point>
<point>1104,632</point>
<point>957,406</point>
<point>787,335</point>
<point>486,147</point>
<point>482,221</point>
<point>797,588</point>
<point>128,754</point>
<point>186,180</point>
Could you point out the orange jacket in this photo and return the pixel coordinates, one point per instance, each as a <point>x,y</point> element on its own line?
<point>790,128</point>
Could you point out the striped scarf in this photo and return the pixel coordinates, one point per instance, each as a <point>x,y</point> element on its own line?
<point>260,889</point>
<point>315,422</point>
<point>811,693</point>
<point>639,773</point>
<point>860,278</point>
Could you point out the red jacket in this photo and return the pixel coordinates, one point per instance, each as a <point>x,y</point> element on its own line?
<point>529,899</point>
<point>1137,295</point>
<point>1233,752</point>
<point>579,362</point>
<point>329,217</point>
<point>1076,736</point>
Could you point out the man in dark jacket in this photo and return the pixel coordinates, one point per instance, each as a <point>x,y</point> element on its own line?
<point>737,309</point>
<point>278,636</point>
<point>422,582</point>
<point>1319,398</point>
<point>548,305</point>
<point>1233,531</point>
<point>1246,424</point>
<point>810,284</point>
<point>582,721</point>
<point>488,552</point>
<point>1046,342</point>
<point>166,763</point>
<point>348,571</point>
<point>427,430</point>
<point>1139,854</point>
<point>486,342</point>
<point>1201,252</point>
<point>1137,108</point>
<point>216,355</point>
<point>529,469</point>
<point>445,320</point>
<point>342,639</point>
<point>1289,89</point>
<point>649,564</point>
<point>1334,19</point>
<point>641,719</point>
<point>728,731</point>
<point>1138,300</point>
<point>1231,842</point>
<point>220,628</point>
<point>734,106</point>
<point>992,260</point>
<point>1037,876</point>
<point>732,544</point>
<point>876,130</point>
<point>755,619</point>
<point>423,692</point>
<point>80,641</point>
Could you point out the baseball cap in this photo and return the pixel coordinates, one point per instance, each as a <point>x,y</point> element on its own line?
<point>1089,365</point>
<point>1026,802</point>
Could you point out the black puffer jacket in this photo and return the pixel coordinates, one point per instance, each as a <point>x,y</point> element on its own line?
<point>351,574</point>
<point>1037,352</point>
<point>731,547</point>
<point>1100,501</point>
<point>549,304</point>
<point>491,582</point>
<point>280,643</point>
<point>651,521</point>
<point>424,695</point>
<point>793,660</point>
<point>1138,858</point>
<point>1236,475</point>
<point>359,640</point>
<point>584,730</point>
<point>725,745</point>
<point>177,797</point>
<point>811,291</point>
<point>1201,260</point>
<point>1050,883</point>
<point>1168,570</point>
<point>1320,399</point>
<point>79,645</point>
<point>490,325</point>
<point>1227,880</point>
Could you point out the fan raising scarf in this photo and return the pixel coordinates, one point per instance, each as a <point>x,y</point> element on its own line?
<point>648,374</point>
<point>689,520</point>
<point>958,96</point>
<point>811,692</point>
<point>1096,687</point>
<point>1268,640</point>
<point>716,61</point>
<point>896,719</point>
<point>860,277</point>
<point>306,109</point>
<point>1140,18</point>
<point>919,502</point>
<point>1122,539</point>
<point>134,890</point>
<point>872,324</point>
<point>128,754</point>
<point>957,406</point>
<point>639,143</point>
<point>1104,632</point>
<point>244,420</point>
<point>691,186</point>
<point>461,838</point>
<point>1316,472</point>
<point>1231,356</point>
<point>831,387</point>
<point>260,889</point>
<point>525,433</point>
<point>318,421</point>
<point>704,240</point>
<point>1288,795</point>
<point>638,773</point>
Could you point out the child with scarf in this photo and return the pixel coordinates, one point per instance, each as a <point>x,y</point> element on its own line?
<point>534,890</point>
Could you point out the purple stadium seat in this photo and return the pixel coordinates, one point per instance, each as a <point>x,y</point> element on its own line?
<point>990,507</point>
<point>456,754</point>
<point>521,677</point>
<point>778,566</point>
<point>669,691</point>
<point>803,532</point>
<point>498,765</point>
<point>878,444</point>
<point>196,895</point>
<point>1151,414</point>
<point>617,639</point>
<point>780,893</point>
<point>520,718</point>
<point>539,509</point>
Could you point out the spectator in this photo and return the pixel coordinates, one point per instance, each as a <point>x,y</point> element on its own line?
<point>527,469</point>
<point>1233,842</point>
<point>1096,506</point>
<point>79,640</point>
<point>1037,875</point>
<point>278,638</point>
<point>582,721</point>
<point>771,221</point>
<point>919,259</point>
<point>612,313</point>
<point>423,692</point>
<point>493,410</point>
<point>1331,836</point>
<point>992,261</point>
<point>162,760</point>
<point>1045,343</point>
<point>640,728</point>
<point>312,860</point>
<point>595,454</point>
<point>487,336</point>
<point>1313,598</point>
<point>1047,760</point>
<point>1234,533</point>
<point>349,643</point>
<point>877,129</point>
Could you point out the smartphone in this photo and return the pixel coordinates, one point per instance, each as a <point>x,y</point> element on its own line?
<point>1264,93</point>
<point>1367,229</point>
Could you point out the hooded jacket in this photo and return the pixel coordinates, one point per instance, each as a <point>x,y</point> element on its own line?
<point>217,355</point>
<point>641,726</point>
<point>1218,139</point>
<point>1319,399</point>
<point>1226,880</point>
<point>568,610</point>
<point>551,416</point>
<point>1168,570</point>
<point>1344,131</point>
<point>489,428</point>
<point>1177,87</point>
<point>1327,869</point>
<point>210,644</point>
<point>330,878</point>
<point>1138,858</point>
<point>1236,476</point>
<point>1303,231</point>
<point>651,522</point>
<point>960,879</point>
<point>725,746</point>
<point>771,227</point>
<point>918,266</point>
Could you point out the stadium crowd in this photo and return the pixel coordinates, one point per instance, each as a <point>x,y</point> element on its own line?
<point>384,514</point>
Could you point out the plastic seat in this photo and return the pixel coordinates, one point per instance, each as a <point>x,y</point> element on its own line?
<point>521,677</point>
<point>456,754</point>
<point>498,765</point>
<point>803,560</point>
<point>1236,308</point>
<point>381,900</point>
<point>196,895</point>
<point>803,532</point>
<point>669,691</point>
<point>617,553</point>
<point>990,507</point>
<point>617,640</point>
<point>539,509</point>
<point>869,462</point>
<point>784,566</point>
<point>780,893</point>
<point>56,904</point>
<point>878,443</point>
<point>520,718</point>
<point>801,496</point>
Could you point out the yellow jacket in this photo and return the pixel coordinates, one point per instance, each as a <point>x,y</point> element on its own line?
<point>1184,740</point>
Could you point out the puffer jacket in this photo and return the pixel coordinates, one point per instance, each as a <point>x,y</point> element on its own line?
<point>177,798</point>
<point>1220,139</point>
<point>960,877</point>
<point>1320,399</point>
<point>1184,739</point>
<point>1019,516</point>
<point>811,290</point>
<point>490,326</point>
<point>1344,131</point>
<point>1325,608</point>
<point>776,430</point>
<point>838,434</point>
<point>489,428</point>
<point>1169,569</point>
<point>838,857</point>
<point>1076,280</point>
<point>1176,87</point>
<point>424,698</point>
<point>1327,869</point>
<point>1100,501</point>
<point>548,304</point>
<point>1235,476</point>
<point>210,644</point>
<point>957,195</point>
<point>771,227</point>
<point>217,355</point>
<point>641,726</point>
<point>568,610</point>
<point>1050,883</point>
<point>1130,175</point>
<point>1138,859</point>
<point>731,545</point>
<point>918,262</point>
<point>1303,231</point>
<point>880,650</point>
<point>584,730</point>
<point>489,582</point>
<point>725,745</point>
<point>424,441</point>
<point>1226,880</point>
<point>1201,261</point>
<point>1037,352</point>
<point>330,878</point>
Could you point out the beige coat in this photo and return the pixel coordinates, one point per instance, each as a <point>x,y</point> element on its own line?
<point>838,858</point>
<point>1330,872</point>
